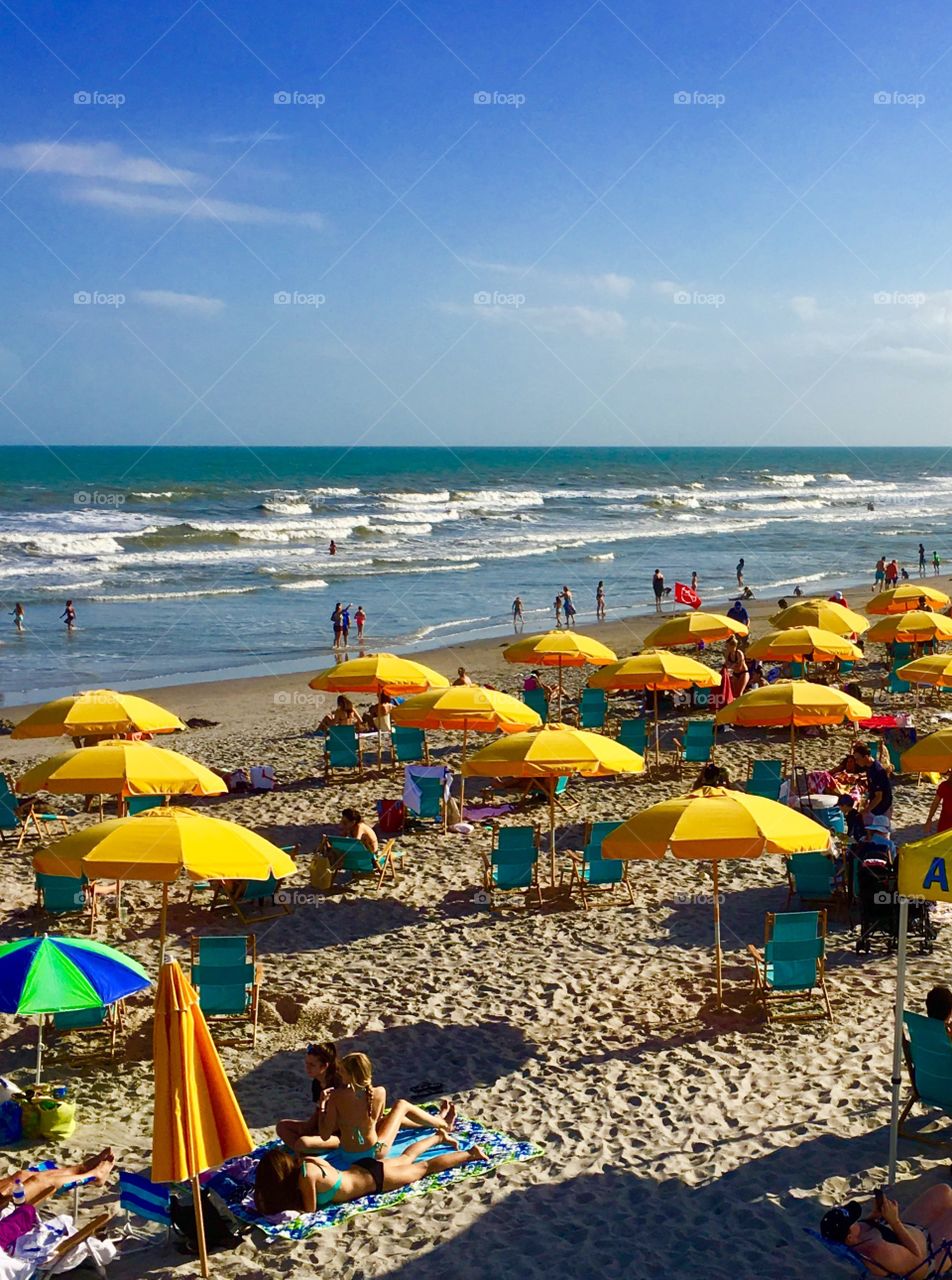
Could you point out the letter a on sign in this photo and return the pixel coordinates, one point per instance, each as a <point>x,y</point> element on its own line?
<point>936,875</point>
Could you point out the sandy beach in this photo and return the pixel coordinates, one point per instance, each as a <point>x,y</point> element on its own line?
<point>677,1139</point>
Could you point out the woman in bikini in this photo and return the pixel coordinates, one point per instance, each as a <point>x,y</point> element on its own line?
<point>287,1182</point>
<point>890,1246</point>
<point>38,1183</point>
<point>321,1066</point>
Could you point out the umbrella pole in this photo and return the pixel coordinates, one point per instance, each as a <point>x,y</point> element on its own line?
<point>39,1050</point>
<point>560,690</point>
<point>552,782</point>
<point>657,732</point>
<point>462,779</point>
<point>200,1227</point>
<point>897,1038</point>
<point>163,917</point>
<point>717,939</point>
<point>793,751</point>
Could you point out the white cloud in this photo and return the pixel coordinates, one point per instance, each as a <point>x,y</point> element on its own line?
<point>182,303</point>
<point>592,322</point>
<point>187,206</point>
<point>666,288</point>
<point>94,160</point>
<point>252,139</point>
<point>610,282</point>
<point>804,307</point>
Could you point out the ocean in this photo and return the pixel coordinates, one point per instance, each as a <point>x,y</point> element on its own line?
<point>192,563</point>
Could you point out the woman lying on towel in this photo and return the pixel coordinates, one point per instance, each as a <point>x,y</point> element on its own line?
<point>38,1183</point>
<point>306,1183</point>
<point>890,1246</point>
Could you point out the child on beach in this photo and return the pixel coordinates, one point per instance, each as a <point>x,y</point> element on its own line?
<point>936,563</point>
<point>558,610</point>
<point>360,618</point>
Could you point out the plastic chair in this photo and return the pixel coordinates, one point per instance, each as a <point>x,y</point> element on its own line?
<point>409,745</point>
<point>355,858</point>
<point>536,699</point>
<point>342,750</point>
<point>697,744</point>
<point>765,779</point>
<point>227,977</point>
<point>633,734</point>
<point>791,967</point>
<point>592,709</point>
<point>928,1052</point>
<point>812,877</point>
<point>513,864</point>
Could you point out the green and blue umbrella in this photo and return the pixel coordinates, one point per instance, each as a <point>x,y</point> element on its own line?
<point>57,975</point>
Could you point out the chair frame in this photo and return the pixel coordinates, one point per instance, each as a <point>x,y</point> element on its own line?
<point>112,1024</point>
<point>771,999</point>
<point>66,1247</point>
<point>384,860</point>
<point>327,753</point>
<point>679,744</point>
<point>530,891</point>
<point>26,811</point>
<point>253,996</point>
<point>577,864</point>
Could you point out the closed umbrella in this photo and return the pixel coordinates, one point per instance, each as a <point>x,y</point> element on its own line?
<point>657,670</point>
<point>197,1123</point>
<point>553,752</point>
<point>96,713</point>
<point>797,703</point>
<point>58,975</point>
<point>693,628</point>
<point>826,614</point>
<point>711,824</point>
<point>559,649</point>
<point>905,598</point>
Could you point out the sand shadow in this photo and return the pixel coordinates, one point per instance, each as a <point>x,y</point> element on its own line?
<point>334,921</point>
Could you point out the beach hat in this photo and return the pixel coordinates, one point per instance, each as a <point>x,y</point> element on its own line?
<point>879,822</point>
<point>835,1224</point>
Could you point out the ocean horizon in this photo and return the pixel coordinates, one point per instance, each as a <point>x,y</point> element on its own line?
<point>191,562</point>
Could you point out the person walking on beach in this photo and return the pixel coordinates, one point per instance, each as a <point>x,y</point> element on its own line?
<point>360,618</point>
<point>335,619</point>
<point>18,616</point>
<point>518,622</point>
<point>568,607</point>
<point>936,562</point>
<point>922,560</point>
<point>892,573</point>
<point>68,615</point>
<point>879,577</point>
<point>740,572</point>
<point>558,610</point>
<point>600,601</point>
<point>657,585</point>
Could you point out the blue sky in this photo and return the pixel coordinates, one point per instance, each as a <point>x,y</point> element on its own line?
<point>506,223</point>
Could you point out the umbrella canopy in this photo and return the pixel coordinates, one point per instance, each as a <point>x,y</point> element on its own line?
<point>56,975</point>
<point>714,823</point>
<point>658,670</point>
<point>553,752</point>
<point>796,703</point>
<point>932,754</point>
<point>795,644</point>
<point>124,769</point>
<point>691,628</point>
<point>378,673</point>
<point>197,1123</point>
<point>826,614</point>
<point>466,706</point>
<point>934,669</point>
<point>906,597</point>
<point>98,712</point>
<point>914,627</point>
<point>559,649</point>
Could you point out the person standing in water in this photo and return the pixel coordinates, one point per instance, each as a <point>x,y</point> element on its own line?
<point>68,615</point>
<point>740,572</point>
<point>332,549</point>
<point>922,560</point>
<point>600,601</point>
<point>335,620</point>
<point>694,581</point>
<point>657,585</point>
<point>345,624</point>
<point>18,616</point>
<point>568,607</point>
<point>360,618</point>
<point>558,610</point>
<point>518,622</point>
<point>936,562</point>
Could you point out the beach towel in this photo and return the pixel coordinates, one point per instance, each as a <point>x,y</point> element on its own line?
<point>234,1181</point>
<point>411,791</point>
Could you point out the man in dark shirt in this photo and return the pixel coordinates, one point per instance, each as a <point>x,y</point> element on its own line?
<point>879,797</point>
<point>738,613</point>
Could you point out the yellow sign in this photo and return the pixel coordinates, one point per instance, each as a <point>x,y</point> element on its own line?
<point>925,869</point>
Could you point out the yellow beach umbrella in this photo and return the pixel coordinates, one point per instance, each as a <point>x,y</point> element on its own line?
<point>465,707</point>
<point>796,644</point>
<point>826,614</point>
<point>122,769</point>
<point>914,627</point>
<point>932,754</point>
<point>93,714</point>
<point>692,628</point>
<point>714,823</point>
<point>797,703</point>
<point>157,846</point>
<point>197,1123</point>
<point>905,598</point>
<point>658,670</point>
<point>934,669</point>
<point>559,649</point>
<point>552,752</point>
<point>378,673</point>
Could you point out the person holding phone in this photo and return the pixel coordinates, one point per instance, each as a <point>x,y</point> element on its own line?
<point>887,1244</point>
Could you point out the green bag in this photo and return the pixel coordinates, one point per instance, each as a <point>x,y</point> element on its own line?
<point>57,1117</point>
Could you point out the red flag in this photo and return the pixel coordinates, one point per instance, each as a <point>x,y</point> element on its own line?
<point>684,595</point>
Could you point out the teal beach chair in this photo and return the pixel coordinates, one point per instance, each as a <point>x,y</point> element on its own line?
<point>812,878</point>
<point>592,709</point>
<point>429,806</point>
<point>789,974</point>
<point>589,872</point>
<point>346,855</point>
<point>342,750</point>
<point>536,699</point>
<point>765,779</point>
<point>227,977</point>
<point>633,734</point>
<point>513,863</point>
<point>105,1019</point>
<point>409,745</point>
<point>696,745</point>
<point>19,814</point>
<point>141,804</point>
<point>60,895</point>
<point>895,683</point>
<point>928,1052</point>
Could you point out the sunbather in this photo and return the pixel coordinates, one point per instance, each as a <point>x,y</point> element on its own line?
<point>284,1181</point>
<point>354,1111</point>
<point>344,713</point>
<point>353,827</point>
<point>320,1063</point>
<point>888,1245</point>
<point>37,1183</point>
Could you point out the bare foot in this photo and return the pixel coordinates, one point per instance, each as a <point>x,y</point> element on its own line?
<point>447,1113</point>
<point>102,1168</point>
<point>451,1140</point>
<point>477,1153</point>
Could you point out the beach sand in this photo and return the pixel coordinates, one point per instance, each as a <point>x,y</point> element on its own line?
<point>678,1139</point>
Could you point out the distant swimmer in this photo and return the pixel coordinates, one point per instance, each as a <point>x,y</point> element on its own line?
<point>332,549</point>
<point>870,506</point>
<point>18,616</point>
<point>797,591</point>
<point>600,601</point>
<point>68,615</point>
<point>694,581</point>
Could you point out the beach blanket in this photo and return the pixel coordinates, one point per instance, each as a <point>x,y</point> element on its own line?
<point>234,1181</point>
<point>480,812</point>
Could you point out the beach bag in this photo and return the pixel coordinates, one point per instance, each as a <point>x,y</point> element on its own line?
<point>11,1122</point>
<point>391,816</point>
<point>15,1224</point>
<point>320,874</point>
<point>57,1117</point>
<point>217,1231</point>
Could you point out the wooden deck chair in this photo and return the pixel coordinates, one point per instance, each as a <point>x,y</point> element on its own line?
<point>765,778</point>
<point>409,745</point>
<point>342,750</point>
<point>227,976</point>
<point>590,873</point>
<point>537,700</point>
<point>633,734</point>
<point>513,863</point>
<point>789,974</point>
<point>71,1243</point>
<point>352,856</point>
<point>895,684</point>
<point>928,1053</point>
<point>106,1020</point>
<point>61,895</point>
<point>20,814</point>
<point>696,745</point>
